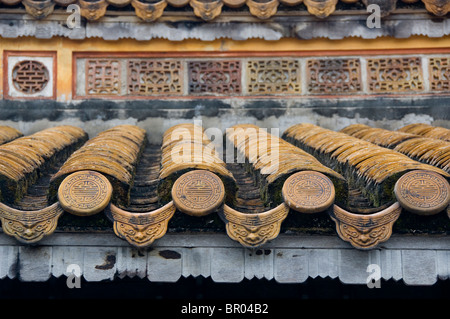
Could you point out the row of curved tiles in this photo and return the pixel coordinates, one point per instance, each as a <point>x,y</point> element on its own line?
<point>151,10</point>
<point>308,171</point>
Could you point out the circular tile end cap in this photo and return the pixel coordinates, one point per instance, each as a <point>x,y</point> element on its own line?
<point>84,193</point>
<point>198,193</point>
<point>308,192</point>
<point>422,192</point>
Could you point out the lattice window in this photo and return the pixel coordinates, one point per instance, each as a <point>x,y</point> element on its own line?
<point>439,69</point>
<point>387,75</point>
<point>155,77</point>
<point>273,76</point>
<point>30,76</point>
<point>103,77</point>
<point>332,76</point>
<point>219,77</point>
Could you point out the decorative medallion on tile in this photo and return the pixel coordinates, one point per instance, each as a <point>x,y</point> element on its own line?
<point>198,192</point>
<point>439,72</point>
<point>281,76</point>
<point>365,231</point>
<point>141,229</point>
<point>253,230</point>
<point>29,226</point>
<point>103,77</point>
<point>423,192</point>
<point>84,193</point>
<point>334,76</point>
<point>308,192</point>
<point>215,77</point>
<point>395,75</point>
<point>155,77</point>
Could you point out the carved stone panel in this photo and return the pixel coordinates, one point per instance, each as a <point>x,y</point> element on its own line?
<point>395,75</point>
<point>102,77</point>
<point>331,76</point>
<point>275,76</point>
<point>439,71</point>
<point>155,77</point>
<point>215,77</point>
<point>30,76</point>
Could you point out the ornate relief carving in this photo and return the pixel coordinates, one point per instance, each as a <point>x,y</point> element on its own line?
<point>119,3</point>
<point>387,75</point>
<point>64,3</point>
<point>320,8</point>
<point>280,76</point>
<point>439,70</point>
<point>178,3</point>
<point>253,230</point>
<point>365,231</point>
<point>30,76</point>
<point>308,192</point>
<point>215,77</point>
<point>85,193</point>
<point>11,2</point>
<point>149,10</point>
<point>422,192</point>
<point>39,8</point>
<point>206,9</point>
<point>198,192</point>
<point>155,77</point>
<point>263,9</point>
<point>141,229</point>
<point>331,76</point>
<point>93,9</point>
<point>29,226</point>
<point>102,77</point>
<point>234,3</point>
<point>437,7</point>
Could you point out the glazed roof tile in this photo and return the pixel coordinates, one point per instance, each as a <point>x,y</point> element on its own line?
<point>351,179</point>
<point>207,10</point>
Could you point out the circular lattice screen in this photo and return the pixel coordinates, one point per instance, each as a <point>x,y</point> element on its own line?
<point>30,76</point>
